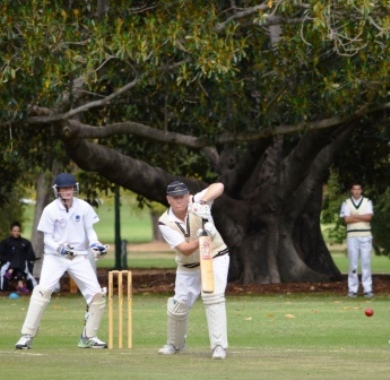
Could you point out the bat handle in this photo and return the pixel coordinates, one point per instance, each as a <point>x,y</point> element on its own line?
<point>204,233</point>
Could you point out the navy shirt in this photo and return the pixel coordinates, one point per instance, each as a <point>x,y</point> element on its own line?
<point>16,251</point>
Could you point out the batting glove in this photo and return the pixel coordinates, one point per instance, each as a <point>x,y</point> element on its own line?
<point>98,250</point>
<point>67,251</point>
<point>209,228</point>
<point>201,210</point>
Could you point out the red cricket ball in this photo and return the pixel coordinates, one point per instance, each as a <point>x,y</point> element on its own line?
<point>369,312</point>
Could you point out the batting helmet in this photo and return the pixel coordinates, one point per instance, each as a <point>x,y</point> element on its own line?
<point>64,180</point>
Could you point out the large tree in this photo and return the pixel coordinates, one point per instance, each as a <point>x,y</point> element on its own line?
<point>261,95</point>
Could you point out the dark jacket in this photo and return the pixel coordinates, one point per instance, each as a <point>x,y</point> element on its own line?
<point>16,251</point>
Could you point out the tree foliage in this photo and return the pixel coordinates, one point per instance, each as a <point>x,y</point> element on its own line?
<point>154,62</point>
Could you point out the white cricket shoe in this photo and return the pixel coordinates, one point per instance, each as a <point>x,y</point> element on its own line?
<point>95,342</point>
<point>24,342</point>
<point>219,353</point>
<point>170,349</point>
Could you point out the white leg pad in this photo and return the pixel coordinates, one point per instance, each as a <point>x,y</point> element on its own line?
<point>216,319</point>
<point>177,323</point>
<point>39,300</point>
<point>95,315</point>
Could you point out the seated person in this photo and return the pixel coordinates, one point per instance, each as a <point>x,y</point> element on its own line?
<point>16,255</point>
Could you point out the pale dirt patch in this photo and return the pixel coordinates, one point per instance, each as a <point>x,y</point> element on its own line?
<point>155,246</point>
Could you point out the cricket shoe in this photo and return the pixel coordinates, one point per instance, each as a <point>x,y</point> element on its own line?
<point>95,342</point>
<point>352,295</point>
<point>24,342</point>
<point>368,294</point>
<point>170,349</point>
<point>219,353</point>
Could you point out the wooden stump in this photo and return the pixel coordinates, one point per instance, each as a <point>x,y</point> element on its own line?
<point>72,286</point>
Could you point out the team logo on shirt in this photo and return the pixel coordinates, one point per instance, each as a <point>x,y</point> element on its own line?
<point>78,218</point>
<point>60,222</point>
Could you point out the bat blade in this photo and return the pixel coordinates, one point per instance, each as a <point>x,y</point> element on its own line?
<point>206,264</point>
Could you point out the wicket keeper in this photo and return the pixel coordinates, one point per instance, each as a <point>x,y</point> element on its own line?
<point>69,238</point>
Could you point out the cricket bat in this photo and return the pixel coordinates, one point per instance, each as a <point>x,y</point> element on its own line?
<point>206,261</point>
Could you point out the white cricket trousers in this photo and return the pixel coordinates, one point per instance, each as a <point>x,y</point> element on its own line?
<point>188,283</point>
<point>80,269</point>
<point>359,246</point>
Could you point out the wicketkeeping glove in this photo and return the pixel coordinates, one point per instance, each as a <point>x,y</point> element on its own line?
<point>202,210</point>
<point>66,250</point>
<point>98,250</point>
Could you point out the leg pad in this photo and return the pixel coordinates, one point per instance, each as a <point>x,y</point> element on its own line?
<point>95,315</point>
<point>177,323</point>
<point>39,300</point>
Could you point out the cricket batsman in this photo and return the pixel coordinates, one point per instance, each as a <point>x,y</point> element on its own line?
<point>181,225</point>
<point>69,239</point>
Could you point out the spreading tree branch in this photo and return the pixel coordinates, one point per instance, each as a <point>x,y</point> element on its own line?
<point>75,127</point>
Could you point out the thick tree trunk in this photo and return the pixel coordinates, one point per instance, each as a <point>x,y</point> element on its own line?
<point>157,235</point>
<point>313,251</point>
<point>42,200</point>
<point>269,215</point>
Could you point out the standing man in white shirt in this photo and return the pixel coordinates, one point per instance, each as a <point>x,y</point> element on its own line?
<point>181,225</point>
<point>357,212</point>
<point>69,237</point>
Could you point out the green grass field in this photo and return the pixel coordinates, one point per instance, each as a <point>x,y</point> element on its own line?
<point>153,260</point>
<point>271,337</point>
<point>379,264</point>
<point>279,337</point>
